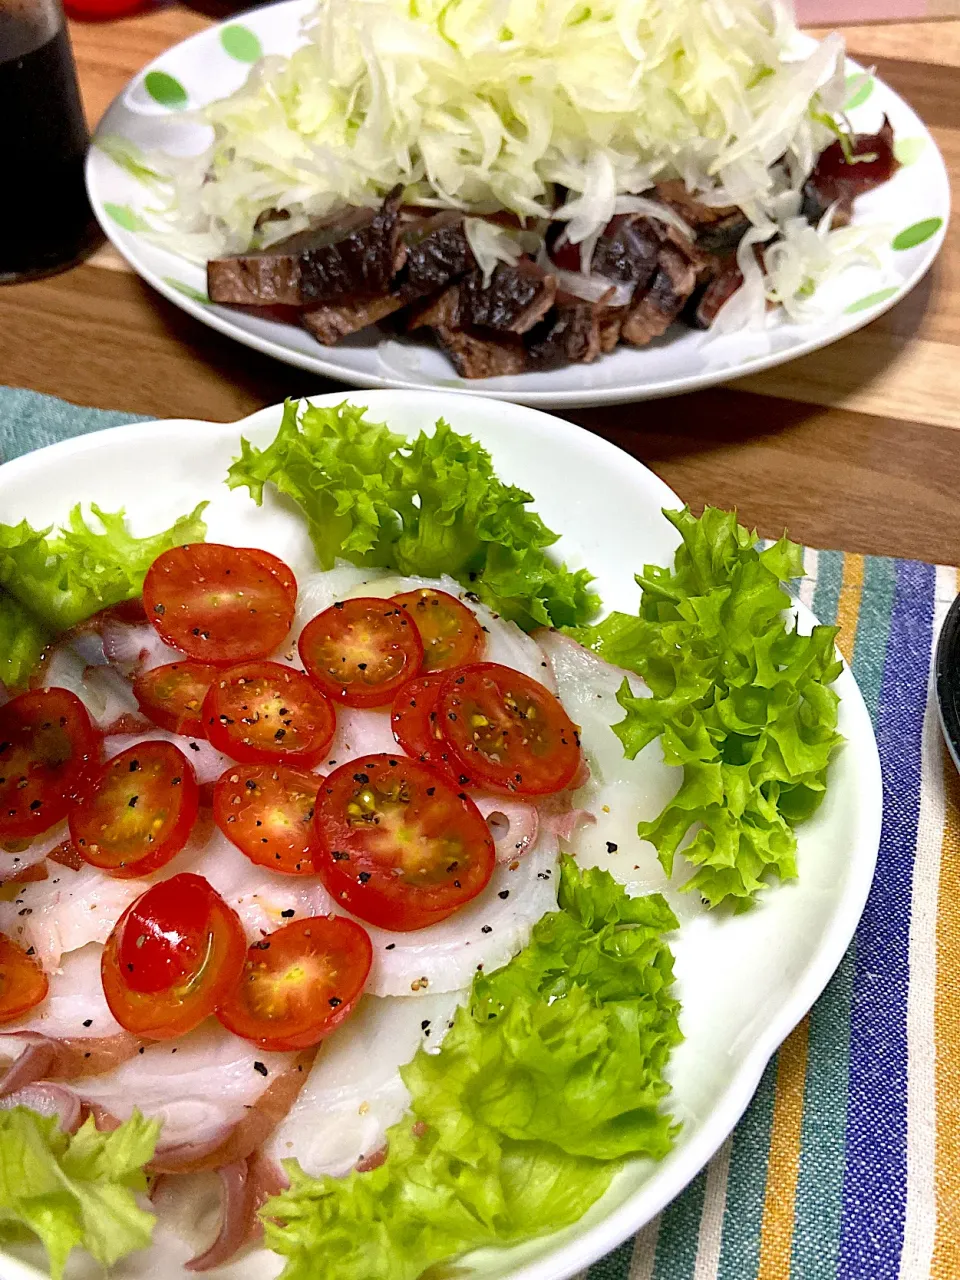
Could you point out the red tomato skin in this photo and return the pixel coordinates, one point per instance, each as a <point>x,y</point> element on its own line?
<point>88,818</point>
<point>280,570</point>
<point>528,779</point>
<point>192,956</point>
<point>234,798</point>
<point>222,701</point>
<point>182,594</point>
<point>456,643</point>
<point>399,637</point>
<point>175,714</point>
<point>292,941</point>
<point>377,896</point>
<point>23,984</point>
<point>413,719</point>
<point>55,722</point>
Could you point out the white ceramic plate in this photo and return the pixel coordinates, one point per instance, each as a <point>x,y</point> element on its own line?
<point>216,62</point>
<point>744,981</point>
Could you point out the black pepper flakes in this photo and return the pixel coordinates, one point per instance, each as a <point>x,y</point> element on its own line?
<point>259,1066</point>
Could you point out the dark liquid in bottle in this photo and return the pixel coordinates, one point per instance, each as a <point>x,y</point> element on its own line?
<point>45,219</point>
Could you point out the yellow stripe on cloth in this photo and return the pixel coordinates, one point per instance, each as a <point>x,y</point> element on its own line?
<point>783,1165</point>
<point>946,1251</point>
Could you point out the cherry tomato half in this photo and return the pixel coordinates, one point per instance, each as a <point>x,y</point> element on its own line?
<point>413,718</point>
<point>450,632</point>
<point>172,695</point>
<point>266,810</point>
<point>299,983</point>
<point>399,846</point>
<point>23,984</point>
<point>273,564</point>
<point>361,651</point>
<point>509,733</point>
<point>172,958</point>
<point>219,604</point>
<point>264,712</point>
<point>48,751</point>
<point>138,814</point>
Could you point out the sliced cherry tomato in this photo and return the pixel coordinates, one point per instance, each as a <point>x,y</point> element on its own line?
<point>509,733</point>
<point>267,811</point>
<point>299,983</point>
<point>450,632</point>
<point>415,723</point>
<point>273,564</point>
<point>138,814</point>
<point>172,695</point>
<point>361,651</point>
<point>399,846</point>
<point>48,751</point>
<point>23,984</point>
<point>264,712</point>
<point>219,604</point>
<point>172,958</point>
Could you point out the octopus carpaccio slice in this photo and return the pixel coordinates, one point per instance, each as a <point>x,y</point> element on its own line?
<point>201,1085</point>
<point>484,934</point>
<point>620,792</point>
<point>354,1092</point>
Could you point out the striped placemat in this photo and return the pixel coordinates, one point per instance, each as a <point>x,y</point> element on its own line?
<point>846,1166</point>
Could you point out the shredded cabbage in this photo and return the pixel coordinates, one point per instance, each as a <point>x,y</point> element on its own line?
<point>494,104</point>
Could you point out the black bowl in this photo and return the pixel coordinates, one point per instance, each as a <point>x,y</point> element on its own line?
<point>947,680</point>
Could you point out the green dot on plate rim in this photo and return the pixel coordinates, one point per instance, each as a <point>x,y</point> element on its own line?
<point>916,234</point>
<point>241,43</point>
<point>165,89</point>
<point>909,150</point>
<point>188,291</point>
<point>872,299</point>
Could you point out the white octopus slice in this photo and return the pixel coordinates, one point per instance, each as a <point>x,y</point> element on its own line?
<point>484,934</point>
<point>200,1086</point>
<point>75,1005</point>
<point>620,792</point>
<point>354,1092</point>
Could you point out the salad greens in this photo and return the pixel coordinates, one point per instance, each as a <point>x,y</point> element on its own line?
<point>50,581</point>
<point>740,700</point>
<point>75,1192</point>
<point>426,507</point>
<point>548,1078</point>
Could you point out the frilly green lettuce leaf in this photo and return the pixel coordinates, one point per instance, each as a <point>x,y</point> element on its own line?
<point>75,1192</point>
<point>740,700</point>
<point>549,1077</point>
<point>426,507</point>
<point>23,639</point>
<point>65,576</point>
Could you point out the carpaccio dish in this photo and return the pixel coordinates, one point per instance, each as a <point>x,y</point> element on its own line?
<point>323,889</point>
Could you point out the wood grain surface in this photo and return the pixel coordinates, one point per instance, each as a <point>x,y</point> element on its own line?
<point>855,447</point>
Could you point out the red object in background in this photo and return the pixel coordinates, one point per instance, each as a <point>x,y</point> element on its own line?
<point>103,10</point>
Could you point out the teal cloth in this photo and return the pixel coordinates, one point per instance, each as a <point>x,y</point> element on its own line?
<point>30,421</point>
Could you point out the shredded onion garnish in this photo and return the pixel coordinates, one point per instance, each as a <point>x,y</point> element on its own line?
<point>484,106</point>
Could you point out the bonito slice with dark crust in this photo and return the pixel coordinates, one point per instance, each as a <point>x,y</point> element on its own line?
<point>353,254</point>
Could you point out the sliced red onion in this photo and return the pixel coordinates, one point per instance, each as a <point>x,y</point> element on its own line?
<point>514,826</point>
<point>563,825</point>
<point>49,1100</point>
<point>32,1065</point>
<point>176,1156</point>
<point>233,1219</point>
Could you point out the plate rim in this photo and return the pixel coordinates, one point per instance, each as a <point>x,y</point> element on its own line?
<point>570,1255</point>
<point>571,399</point>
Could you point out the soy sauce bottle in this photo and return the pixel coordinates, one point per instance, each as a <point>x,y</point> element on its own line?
<point>46,223</point>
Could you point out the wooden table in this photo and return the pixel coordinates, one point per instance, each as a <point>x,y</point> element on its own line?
<point>856,447</point>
